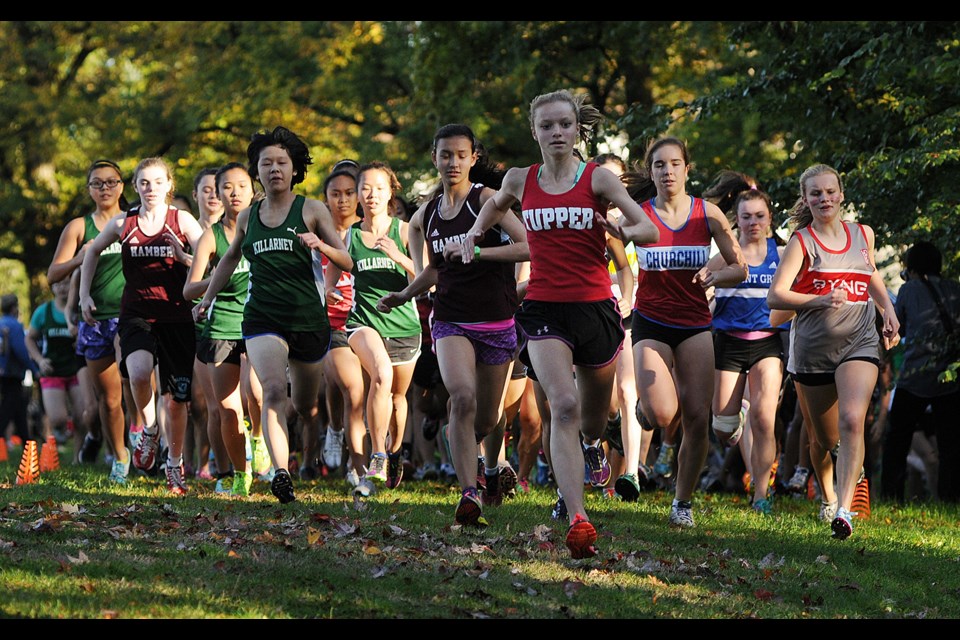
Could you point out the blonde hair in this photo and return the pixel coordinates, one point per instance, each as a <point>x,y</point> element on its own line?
<point>588,116</point>
<point>156,161</point>
<point>800,214</point>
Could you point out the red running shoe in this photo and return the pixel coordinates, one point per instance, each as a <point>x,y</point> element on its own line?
<point>580,538</point>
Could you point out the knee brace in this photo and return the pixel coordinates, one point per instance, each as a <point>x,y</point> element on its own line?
<point>726,424</point>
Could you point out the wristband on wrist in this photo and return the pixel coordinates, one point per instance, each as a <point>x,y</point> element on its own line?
<point>476,252</point>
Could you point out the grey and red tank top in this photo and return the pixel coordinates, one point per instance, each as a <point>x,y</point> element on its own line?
<point>823,338</point>
<point>666,293</point>
<point>479,292</point>
<point>568,259</point>
<point>154,277</point>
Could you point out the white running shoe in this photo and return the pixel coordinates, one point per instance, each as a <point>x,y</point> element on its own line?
<point>333,449</point>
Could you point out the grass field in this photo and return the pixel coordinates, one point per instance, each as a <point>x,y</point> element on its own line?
<point>73,546</point>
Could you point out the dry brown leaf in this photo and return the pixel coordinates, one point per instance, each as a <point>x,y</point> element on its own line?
<point>313,535</point>
<point>570,587</point>
<point>371,550</point>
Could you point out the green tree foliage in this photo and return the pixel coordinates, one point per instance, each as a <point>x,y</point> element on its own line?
<point>880,101</point>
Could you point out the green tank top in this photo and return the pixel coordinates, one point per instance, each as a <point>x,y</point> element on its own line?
<point>375,275</point>
<point>226,314</point>
<point>56,341</point>
<point>108,280</point>
<point>286,279</point>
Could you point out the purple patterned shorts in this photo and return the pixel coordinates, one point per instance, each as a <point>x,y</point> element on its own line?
<point>95,341</point>
<point>491,347</point>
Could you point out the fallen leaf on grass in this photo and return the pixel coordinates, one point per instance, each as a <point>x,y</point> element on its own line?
<point>570,587</point>
<point>80,559</point>
<point>43,526</point>
<point>542,532</point>
<point>69,508</point>
<point>371,549</point>
<point>812,602</point>
<point>763,594</point>
<point>313,535</point>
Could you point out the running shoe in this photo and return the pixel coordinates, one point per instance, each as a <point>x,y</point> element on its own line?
<point>614,433</point>
<point>598,465</point>
<point>90,449</point>
<point>797,484</point>
<point>842,524</point>
<point>353,478</point>
<point>663,467</point>
<point>447,471</point>
<point>242,481</point>
<point>828,511</point>
<point>282,486</point>
<point>481,472</point>
<point>120,470</point>
<point>508,481</point>
<point>333,449</point>
<point>394,470</point>
<point>174,475</point>
<point>559,508</point>
<point>261,457</point>
<point>427,471</point>
<point>430,427</point>
<point>469,511</point>
<point>378,467</point>
<point>681,515</point>
<point>224,483</point>
<point>145,455</point>
<point>763,506</point>
<point>580,538</point>
<point>627,487</point>
<point>308,473</point>
<point>365,488</point>
<point>491,490</point>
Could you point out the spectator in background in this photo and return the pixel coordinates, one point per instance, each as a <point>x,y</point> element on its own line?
<point>928,308</point>
<point>14,363</point>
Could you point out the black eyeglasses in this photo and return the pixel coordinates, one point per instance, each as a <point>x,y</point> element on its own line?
<point>100,184</point>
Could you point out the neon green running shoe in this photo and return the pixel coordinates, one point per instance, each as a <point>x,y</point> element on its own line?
<point>241,483</point>
<point>261,457</point>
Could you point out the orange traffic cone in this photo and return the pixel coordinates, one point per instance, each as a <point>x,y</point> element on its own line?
<point>861,500</point>
<point>4,455</point>
<point>29,471</point>
<point>49,456</point>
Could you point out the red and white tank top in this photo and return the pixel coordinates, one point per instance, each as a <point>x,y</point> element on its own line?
<point>568,259</point>
<point>155,278</point>
<point>666,293</point>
